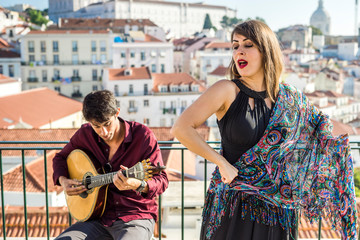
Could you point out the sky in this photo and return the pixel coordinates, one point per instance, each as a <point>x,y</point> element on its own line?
<point>276,13</point>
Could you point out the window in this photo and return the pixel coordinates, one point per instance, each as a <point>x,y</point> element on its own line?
<point>94,87</point>
<point>44,75</point>
<point>56,74</point>
<point>74,46</point>
<point>174,88</point>
<point>1,69</point>
<point>43,46</point>
<point>102,46</point>
<point>75,59</point>
<point>103,58</point>
<point>142,56</point>
<point>163,89</point>
<point>76,72</point>
<point>56,59</point>
<point>131,89</point>
<point>123,55</point>
<point>57,88</point>
<point>131,104</point>
<point>162,122</point>
<point>146,121</point>
<point>146,89</point>
<point>43,59</point>
<point>31,58</point>
<point>93,46</point>
<point>94,75</point>
<point>173,104</point>
<point>132,54</point>
<point>162,68</point>
<point>153,68</point>
<point>55,46</point>
<point>146,103</point>
<point>31,46</point>
<point>116,90</point>
<point>11,71</point>
<point>93,58</point>
<point>162,104</point>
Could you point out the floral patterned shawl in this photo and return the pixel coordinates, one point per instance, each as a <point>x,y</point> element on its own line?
<point>296,165</point>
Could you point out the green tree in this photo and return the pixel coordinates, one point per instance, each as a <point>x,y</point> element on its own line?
<point>357,181</point>
<point>316,31</point>
<point>207,22</point>
<point>36,16</point>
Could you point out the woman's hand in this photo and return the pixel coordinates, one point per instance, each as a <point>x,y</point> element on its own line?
<point>228,172</point>
<point>71,187</point>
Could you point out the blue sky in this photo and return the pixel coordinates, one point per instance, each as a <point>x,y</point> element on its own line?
<point>277,13</point>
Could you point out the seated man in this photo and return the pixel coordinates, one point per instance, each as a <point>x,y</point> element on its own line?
<point>113,143</point>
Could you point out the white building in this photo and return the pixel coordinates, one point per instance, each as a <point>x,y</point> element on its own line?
<point>176,18</point>
<point>321,19</point>
<point>299,33</point>
<point>215,54</point>
<point>348,50</point>
<point>10,63</point>
<point>155,99</point>
<point>138,50</point>
<point>8,18</point>
<point>9,86</point>
<point>68,61</point>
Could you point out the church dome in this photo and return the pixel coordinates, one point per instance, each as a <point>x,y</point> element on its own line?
<point>321,18</point>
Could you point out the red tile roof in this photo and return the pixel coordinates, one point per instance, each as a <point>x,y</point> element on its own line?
<point>8,54</point>
<point>219,45</point>
<point>174,79</point>
<point>219,71</point>
<point>15,227</point>
<point>60,31</point>
<point>135,73</point>
<point>6,79</point>
<point>340,128</point>
<point>34,176</point>
<point>4,44</point>
<point>36,107</point>
<point>100,23</point>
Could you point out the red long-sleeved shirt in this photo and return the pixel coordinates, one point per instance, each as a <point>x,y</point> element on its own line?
<point>139,144</point>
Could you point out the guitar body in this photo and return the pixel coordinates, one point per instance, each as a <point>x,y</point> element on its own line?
<point>93,205</point>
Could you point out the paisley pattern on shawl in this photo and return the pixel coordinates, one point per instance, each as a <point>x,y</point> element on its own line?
<point>296,165</point>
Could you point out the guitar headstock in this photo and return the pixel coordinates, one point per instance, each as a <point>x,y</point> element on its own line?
<point>150,170</point>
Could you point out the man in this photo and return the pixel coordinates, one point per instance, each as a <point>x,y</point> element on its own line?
<point>115,144</point>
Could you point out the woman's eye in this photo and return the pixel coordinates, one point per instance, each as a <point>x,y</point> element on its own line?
<point>249,46</point>
<point>235,47</point>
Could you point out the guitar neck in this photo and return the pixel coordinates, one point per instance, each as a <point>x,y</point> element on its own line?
<point>136,171</point>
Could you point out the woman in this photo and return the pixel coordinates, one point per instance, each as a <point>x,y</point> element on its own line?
<point>270,135</point>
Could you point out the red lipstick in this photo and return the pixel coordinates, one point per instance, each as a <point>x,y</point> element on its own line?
<point>242,63</point>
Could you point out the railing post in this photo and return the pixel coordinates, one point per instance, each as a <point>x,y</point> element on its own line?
<point>46,197</point>
<point>205,179</point>
<point>159,218</point>
<point>2,197</point>
<point>24,193</point>
<point>182,194</point>
<point>319,228</point>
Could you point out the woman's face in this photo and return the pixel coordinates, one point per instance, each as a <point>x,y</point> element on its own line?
<point>247,58</point>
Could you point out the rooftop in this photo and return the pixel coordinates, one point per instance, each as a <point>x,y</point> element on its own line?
<point>129,73</point>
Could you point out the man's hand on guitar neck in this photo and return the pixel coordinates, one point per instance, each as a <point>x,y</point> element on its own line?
<point>71,187</point>
<point>124,183</point>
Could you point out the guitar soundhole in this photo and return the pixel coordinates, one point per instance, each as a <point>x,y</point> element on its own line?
<point>84,194</point>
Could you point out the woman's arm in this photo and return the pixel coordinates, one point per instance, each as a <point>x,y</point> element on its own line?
<point>217,99</point>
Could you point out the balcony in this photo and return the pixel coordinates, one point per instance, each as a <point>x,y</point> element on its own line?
<point>64,63</point>
<point>33,79</point>
<point>55,78</point>
<point>132,109</point>
<point>76,79</point>
<point>180,205</point>
<point>169,110</point>
<point>76,94</point>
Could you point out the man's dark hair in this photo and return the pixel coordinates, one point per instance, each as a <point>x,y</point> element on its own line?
<point>99,106</point>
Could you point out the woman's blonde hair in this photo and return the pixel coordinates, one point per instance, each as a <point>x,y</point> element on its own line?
<point>266,41</point>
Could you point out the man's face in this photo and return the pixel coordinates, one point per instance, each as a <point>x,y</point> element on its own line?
<point>107,129</point>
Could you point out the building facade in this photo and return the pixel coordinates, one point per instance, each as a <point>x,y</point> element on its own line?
<point>176,18</point>
<point>68,61</point>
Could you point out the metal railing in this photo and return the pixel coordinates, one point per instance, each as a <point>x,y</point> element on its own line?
<point>58,145</point>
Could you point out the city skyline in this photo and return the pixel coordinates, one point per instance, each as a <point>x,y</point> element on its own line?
<point>277,13</point>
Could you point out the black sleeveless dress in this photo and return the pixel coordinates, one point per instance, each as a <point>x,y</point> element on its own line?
<point>240,129</point>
